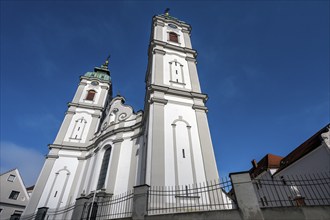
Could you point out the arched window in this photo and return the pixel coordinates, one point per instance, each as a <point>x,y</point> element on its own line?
<point>104,168</point>
<point>90,95</point>
<point>173,37</point>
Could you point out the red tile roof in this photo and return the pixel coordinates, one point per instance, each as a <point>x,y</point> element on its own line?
<point>267,162</point>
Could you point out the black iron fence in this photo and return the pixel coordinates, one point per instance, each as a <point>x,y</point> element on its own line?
<point>294,190</point>
<point>213,195</point>
<point>117,206</point>
<point>60,213</point>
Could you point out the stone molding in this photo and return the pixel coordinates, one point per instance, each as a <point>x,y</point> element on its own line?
<point>52,156</point>
<point>182,24</point>
<point>191,59</point>
<point>118,140</point>
<point>157,23</point>
<point>94,79</point>
<point>79,105</point>
<point>172,91</point>
<point>200,107</point>
<point>186,50</point>
<point>158,100</point>
<point>157,51</point>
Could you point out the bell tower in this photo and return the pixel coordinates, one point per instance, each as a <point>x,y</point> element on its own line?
<point>58,182</point>
<point>179,146</point>
<point>85,110</point>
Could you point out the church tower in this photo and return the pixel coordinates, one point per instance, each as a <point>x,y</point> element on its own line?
<point>179,146</point>
<point>105,148</point>
<point>58,182</point>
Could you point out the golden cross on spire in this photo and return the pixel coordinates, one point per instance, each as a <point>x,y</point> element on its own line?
<point>106,63</point>
<point>167,12</point>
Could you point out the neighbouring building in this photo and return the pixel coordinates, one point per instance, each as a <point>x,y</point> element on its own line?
<point>103,145</point>
<point>13,195</point>
<point>298,175</point>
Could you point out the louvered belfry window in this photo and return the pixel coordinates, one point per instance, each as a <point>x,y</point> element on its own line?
<point>90,95</point>
<point>173,37</point>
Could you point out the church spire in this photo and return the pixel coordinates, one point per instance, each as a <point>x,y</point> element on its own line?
<point>106,63</point>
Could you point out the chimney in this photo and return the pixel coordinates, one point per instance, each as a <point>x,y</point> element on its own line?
<point>254,163</point>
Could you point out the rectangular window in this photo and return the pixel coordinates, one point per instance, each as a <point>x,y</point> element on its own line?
<point>14,195</point>
<point>11,178</point>
<point>183,154</point>
<point>173,37</point>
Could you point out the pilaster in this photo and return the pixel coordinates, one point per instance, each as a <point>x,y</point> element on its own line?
<point>158,144</point>
<point>64,127</point>
<point>210,165</point>
<point>112,172</point>
<point>157,72</point>
<point>39,187</point>
<point>193,74</point>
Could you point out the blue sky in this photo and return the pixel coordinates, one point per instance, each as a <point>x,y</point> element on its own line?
<point>264,65</point>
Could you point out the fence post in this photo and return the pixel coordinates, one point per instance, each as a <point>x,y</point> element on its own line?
<point>246,197</point>
<point>41,214</point>
<point>79,207</point>
<point>140,202</point>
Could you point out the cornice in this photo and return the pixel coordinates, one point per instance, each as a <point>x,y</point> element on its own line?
<point>200,107</point>
<point>191,59</point>
<point>94,79</point>
<point>137,135</point>
<point>158,23</point>
<point>118,140</point>
<point>65,147</point>
<point>168,90</point>
<point>158,100</point>
<point>52,156</point>
<point>157,51</point>
<point>85,106</point>
<point>114,132</point>
<point>99,139</point>
<point>182,24</point>
<point>165,45</point>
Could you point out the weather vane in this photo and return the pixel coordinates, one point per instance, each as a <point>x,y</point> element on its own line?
<point>167,12</point>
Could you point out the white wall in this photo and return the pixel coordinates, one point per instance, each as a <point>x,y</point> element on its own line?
<point>59,183</point>
<point>182,113</point>
<point>315,162</point>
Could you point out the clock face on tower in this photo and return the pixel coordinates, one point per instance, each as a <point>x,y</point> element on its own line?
<point>172,26</point>
<point>94,83</point>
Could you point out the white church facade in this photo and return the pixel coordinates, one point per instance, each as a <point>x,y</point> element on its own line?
<point>104,145</point>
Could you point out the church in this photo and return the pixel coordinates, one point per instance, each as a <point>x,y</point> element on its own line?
<point>103,145</point>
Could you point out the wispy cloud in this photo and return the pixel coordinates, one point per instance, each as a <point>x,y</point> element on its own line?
<point>28,161</point>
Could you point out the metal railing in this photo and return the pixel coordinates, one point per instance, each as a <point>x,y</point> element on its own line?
<point>212,195</point>
<point>294,190</point>
<point>60,213</point>
<point>117,206</point>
